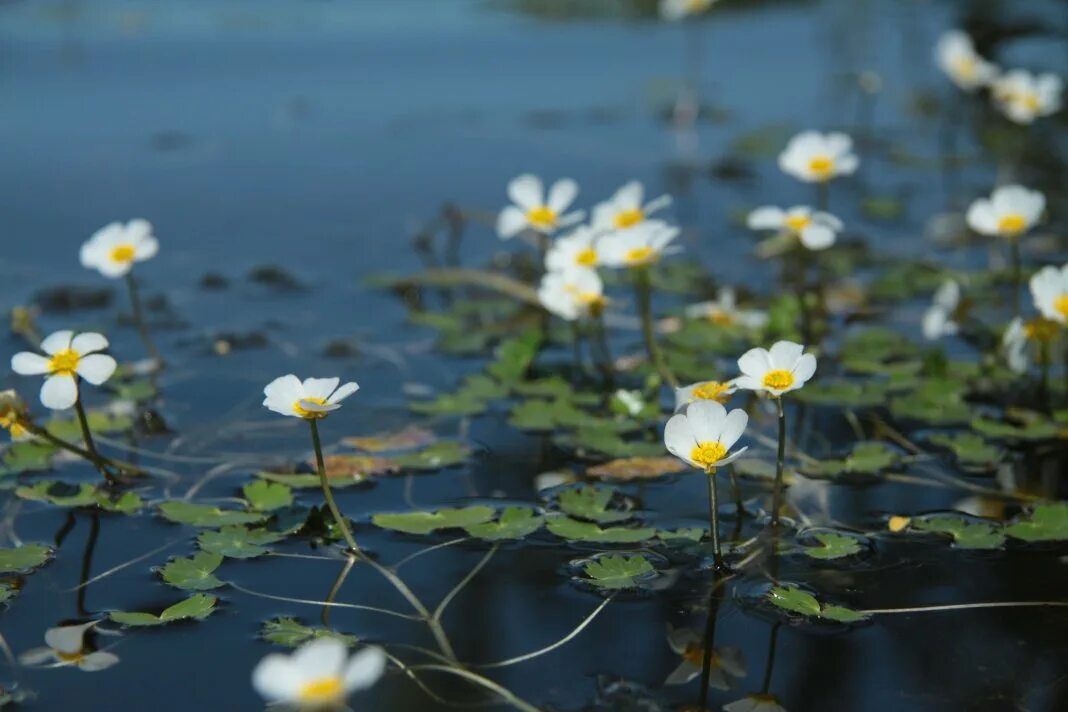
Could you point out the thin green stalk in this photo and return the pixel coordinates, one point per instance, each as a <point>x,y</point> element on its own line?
<point>336,588</point>
<point>644,292</point>
<point>507,695</point>
<point>1014,251</point>
<point>823,195</point>
<point>599,346</point>
<point>576,348</point>
<point>139,320</point>
<point>780,464</point>
<point>770,664</point>
<point>1044,365</point>
<point>98,460</point>
<point>713,516</point>
<point>90,446</point>
<point>334,511</point>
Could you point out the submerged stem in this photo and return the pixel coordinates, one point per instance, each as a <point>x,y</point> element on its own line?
<point>336,588</point>
<point>713,516</point>
<point>780,464</point>
<point>334,511</point>
<point>1014,251</point>
<point>644,292</point>
<point>602,354</point>
<point>139,320</point>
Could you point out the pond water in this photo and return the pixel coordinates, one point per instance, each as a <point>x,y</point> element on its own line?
<point>289,155</point>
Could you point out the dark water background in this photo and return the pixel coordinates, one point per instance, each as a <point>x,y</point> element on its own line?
<point>318,136</point>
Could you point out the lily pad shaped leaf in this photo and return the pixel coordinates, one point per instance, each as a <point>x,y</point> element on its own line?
<point>427,522</point>
<point>194,573</point>
<point>1047,522</point>
<point>592,503</point>
<point>23,559</point>
<point>267,496</point>
<point>28,456</point>
<point>637,468</point>
<point>967,533</point>
<point>292,633</point>
<point>203,515</point>
<point>618,572</point>
<point>793,599</point>
<point>832,545</point>
<point>408,438</point>
<point>514,523</point>
<point>198,607</point>
<point>62,494</point>
<point>435,457</point>
<point>574,530</point>
<point>238,542</point>
<point>970,449</point>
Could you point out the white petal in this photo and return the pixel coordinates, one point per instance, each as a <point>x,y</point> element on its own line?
<point>276,679</point>
<point>766,218</point>
<point>364,669</point>
<point>26,363</point>
<point>68,639</point>
<point>817,237</point>
<point>756,363</point>
<point>562,194</point>
<point>316,407</point>
<point>88,342</point>
<point>281,393</point>
<point>321,657</point>
<point>96,661</point>
<point>510,222</point>
<point>96,368</point>
<point>629,197</point>
<point>981,217</point>
<point>678,437</point>
<point>707,419</point>
<point>526,191</point>
<point>847,165</point>
<point>784,354</point>
<point>733,427</point>
<point>684,673</point>
<point>146,248</point>
<point>37,656</point>
<point>748,383</point>
<point>59,392</point>
<point>656,204</point>
<point>733,456</point>
<point>804,369</point>
<point>320,387</point>
<point>346,390</point>
<point>56,342</point>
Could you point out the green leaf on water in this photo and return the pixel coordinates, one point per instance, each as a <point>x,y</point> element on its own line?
<point>693,534</point>
<point>618,572</point>
<point>427,522</point>
<point>1046,522</point>
<point>194,573</point>
<point>854,394</point>
<point>601,439</point>
<point>1021,425</point>
<point>832,545</point>
<point>574,530</point>
<point>592,503</point>
<point>970,449</point>
<point>62,494</point>
<point>869,458</point>
<point>203,515</point>
<point>100,422</point>
<point>967,533</point>
<point>23,559</point>
<point>541,415</point>
<point>450,404</point>
<point>267,496</point>
<point>198,607</point>
<point>440,455</point>
<point>938,401</point>
<point>301,480</point>
<point>793,599</point>
<point>7,592</point>
<point>238,542</point>
<point>513,523</point>
<point>292,633</point>
<point>27,456</point>
<point>514,356</point>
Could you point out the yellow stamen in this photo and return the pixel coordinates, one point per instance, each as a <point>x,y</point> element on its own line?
<point>797,223</point>
<point>778,380</point>
<point>1012,224</point>
<point>965,67</point>
<point>64,363</point>
<point>1031,102</point>
<point>639,255</point>
<point>695,655</point>
<point>707,454</point>
<point>123,253</point>
<point>822,167</point>
<point>587,258</point>
<point>1041,329</point>
<point>898,523</point>
<point>309,414</point>
<point>1061,305</point>
<point>542,217</point>
<point>712,390</point>
<point>322,691</point>
<point>69,657</point>
<point>719,317</point>
<point>629,218</point>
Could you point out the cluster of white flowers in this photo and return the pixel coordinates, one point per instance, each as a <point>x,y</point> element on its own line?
<point>1020,95</point>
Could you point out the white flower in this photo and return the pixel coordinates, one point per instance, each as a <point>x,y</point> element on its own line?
<point>311,400</point>
<point>725,663</point>
<point>11,411</point>
<point>814,157</point>
<point>319,674</point>
<point>718,391</point>
<point>640,246</point>
<point>939,319</point>
<point>114,248</point>
<point>632,401</point>
<point>680,9</point>
<point>724,312</point>
<point>68,357</point>
<point>757,702</point>
<point>1049,288</point>
<point>1010,211</point>
<point>625,208</point>
<point>571,294</point>
<point>956,56</point>
<point>1024,97</point>
<point>783,368</point>
<point>66,646</point>
<point>532,210</point>
<point>704,434</point>
<point>1020,338</point>
<point>816,230</point>
<point>576,250</point>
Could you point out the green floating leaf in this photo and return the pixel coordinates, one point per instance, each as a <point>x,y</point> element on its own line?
<point>440,455</point>
<point>193,574</point>
<point>692,534</point>
<point>515,355</point>
<point>867,459</point>
<point>969,449</point>
<point>832,545</point>
<point>99,422</point>
<point>938,401</point>
<point>514,523</point>
<point>203,515</point>
<point>450,404</point>
<point>138,391</point>
<point>1046,522</point>
<point>1025,425</point>
<point>300,480</point>
<point>616,572</point>
<point>592,503</point>
<point>966,533</point>
<point>27,456</point>
<point>427,522</point>
<point>540,415</point>
<point>637,468</point>
<point>238,542</point>
<point>292,633</point>
<point>841,392</point>
<point>23,559</point>
<point>408,438</point>
<point>574,530</point>
<point>267,496</point>
<point>793,599</point>
<point>198,607</point>
<point>63,494</point>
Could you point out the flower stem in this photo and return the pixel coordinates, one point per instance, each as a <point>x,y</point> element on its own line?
<point>336,588</point>
<point>780,463</point>
<point>576,350</point>
<point>139,320</point>
<point>599,346</point>
<point>334,511</point>
<point>90,446</point>
<point>1014,251</point>
<point>643,291</point>
<point>97,460</point>
<point>713,517</point>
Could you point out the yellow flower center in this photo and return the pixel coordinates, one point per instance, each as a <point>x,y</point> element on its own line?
<point>797,223</point>
<point>707,454</point>
<point>719,317</point>
<point>69,657</point>
<point>629,218</point>
<point>965,67</point>
<point>1031,101</point>
<point>321,691</point>
<point>542,216</point>
<point>639,255</point>
<point>587,258</point>
<point>309,414</point>
<point>712,390</point>
<point>9,421</point>
<point>64,363</point>
<point>822,167</point>
<point>1012,224</point>
<point>695,655</point>
<point>898,523</point>
<point>1042,329</point>
<point>1061,305</point>
<point>123,253</point>
<point>778,380</point>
